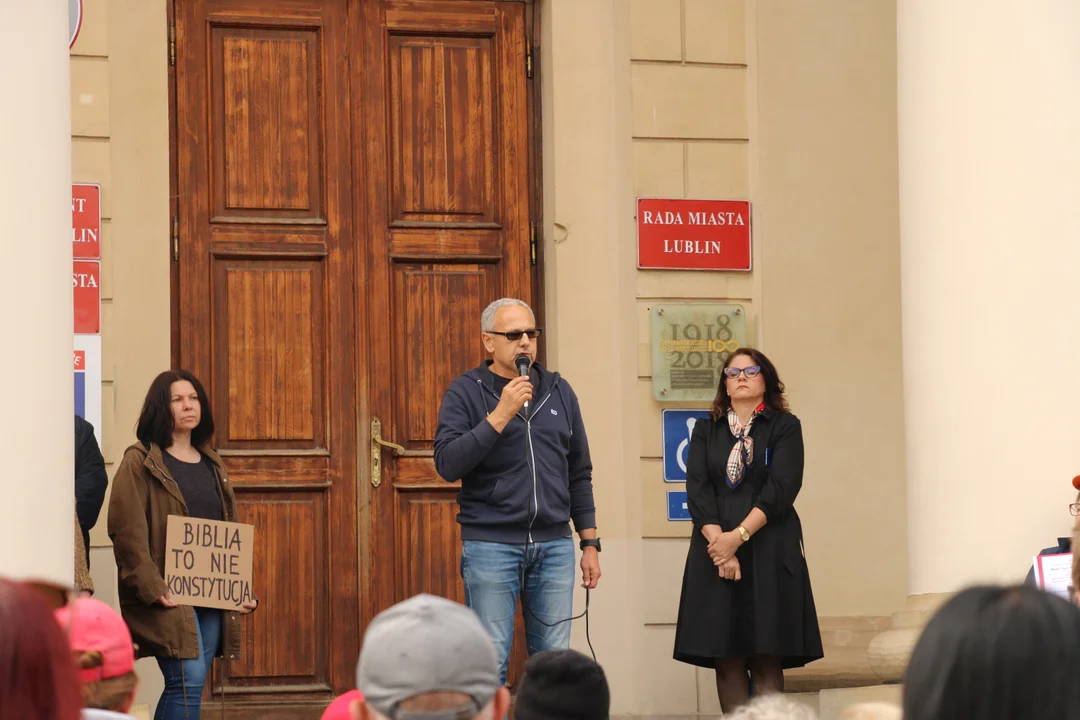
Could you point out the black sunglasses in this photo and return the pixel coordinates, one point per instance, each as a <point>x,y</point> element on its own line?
<point>515,335</point>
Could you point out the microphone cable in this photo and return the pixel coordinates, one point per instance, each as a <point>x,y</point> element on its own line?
<point>584,613</point>
<point>528,541</point>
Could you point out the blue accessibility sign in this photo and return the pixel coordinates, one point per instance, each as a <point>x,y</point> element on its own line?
<point>676,505</point>
<point>678,426</point>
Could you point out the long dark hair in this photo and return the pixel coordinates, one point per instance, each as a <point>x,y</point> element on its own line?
<point>774,389</point>
<point>156,420</point>
<point>997,653</point>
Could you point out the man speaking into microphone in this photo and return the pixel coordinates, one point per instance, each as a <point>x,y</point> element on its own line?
<point>512,432</point>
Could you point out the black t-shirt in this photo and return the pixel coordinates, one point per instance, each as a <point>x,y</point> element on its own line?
<point>501,382</point>
<point>198,485</point>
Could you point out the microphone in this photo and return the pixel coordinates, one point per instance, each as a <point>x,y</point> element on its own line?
<point>1076,482</point>
<point>522,362</point>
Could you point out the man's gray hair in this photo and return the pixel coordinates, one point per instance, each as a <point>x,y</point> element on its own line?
<point>487,318</point>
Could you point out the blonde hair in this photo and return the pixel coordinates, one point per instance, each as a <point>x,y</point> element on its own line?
<point>774,707</point>
<point>113,694</point>
<point>872,711</point>
<point>83,581</point>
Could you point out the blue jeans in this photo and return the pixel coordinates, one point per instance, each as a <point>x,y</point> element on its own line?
<point>493,573</point>
<point>185,679</point>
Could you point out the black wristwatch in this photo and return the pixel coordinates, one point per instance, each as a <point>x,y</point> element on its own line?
<point>594,542</point>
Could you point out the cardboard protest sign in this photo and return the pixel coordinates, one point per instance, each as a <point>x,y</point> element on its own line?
<point>208,562</point>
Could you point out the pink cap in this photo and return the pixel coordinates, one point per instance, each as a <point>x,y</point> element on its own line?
<point>339,709</point>
<point>91,626</point>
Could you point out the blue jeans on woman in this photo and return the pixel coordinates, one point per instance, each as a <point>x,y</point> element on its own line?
<point>185,679</point>
<point>492,573</point>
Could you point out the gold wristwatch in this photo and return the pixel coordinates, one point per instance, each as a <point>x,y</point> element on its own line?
<point>743,533</point>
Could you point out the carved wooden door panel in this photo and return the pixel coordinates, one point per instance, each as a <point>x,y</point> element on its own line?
<point>353,189</point>
<point>267,305</point>
<point>445,121</point>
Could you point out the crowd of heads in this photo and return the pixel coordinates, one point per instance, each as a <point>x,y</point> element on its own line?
<point>429,657</point>
<point>989,653</point>
<point>57,661</point>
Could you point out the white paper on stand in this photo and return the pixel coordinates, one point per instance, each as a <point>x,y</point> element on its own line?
<point>1053,573</point>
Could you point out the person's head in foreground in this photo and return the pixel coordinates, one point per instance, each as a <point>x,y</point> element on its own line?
<point>872,711</point>
<point>429,658</point>
<point>104,653</point>
<point>562,685</point>
<point>774,706</point>
<point>37,675</point>
<point>341,708</point>
<point>997,653</point>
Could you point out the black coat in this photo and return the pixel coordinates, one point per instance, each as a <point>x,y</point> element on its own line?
<point>91,480</point>
<point>770,611</point>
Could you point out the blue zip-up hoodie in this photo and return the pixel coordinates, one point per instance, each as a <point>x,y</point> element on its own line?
<point>530,480</point>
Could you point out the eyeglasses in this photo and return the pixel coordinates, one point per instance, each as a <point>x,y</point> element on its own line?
<point>515,335</point>
<point>751,372</point>
<point>1074,509</point>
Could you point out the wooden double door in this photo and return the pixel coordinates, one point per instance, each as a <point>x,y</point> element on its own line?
<point>353,182</point>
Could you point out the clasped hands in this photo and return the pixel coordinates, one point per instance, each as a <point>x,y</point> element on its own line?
<point>722,549</point>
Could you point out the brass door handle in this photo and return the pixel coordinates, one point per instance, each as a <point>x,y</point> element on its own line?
<point>377,444</point>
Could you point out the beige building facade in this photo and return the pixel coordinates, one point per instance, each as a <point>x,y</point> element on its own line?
<point>890,254</point>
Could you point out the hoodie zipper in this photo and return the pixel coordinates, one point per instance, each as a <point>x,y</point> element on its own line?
<point>532,455</point>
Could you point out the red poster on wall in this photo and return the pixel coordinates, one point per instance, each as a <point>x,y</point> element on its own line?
<point>85,221</point>
<point>693,234</point>
<point>86,290</point>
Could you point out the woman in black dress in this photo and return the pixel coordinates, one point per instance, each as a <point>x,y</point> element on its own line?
<point>746,608</point>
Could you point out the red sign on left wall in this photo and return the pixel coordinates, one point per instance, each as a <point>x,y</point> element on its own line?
<point>85,221</point>
<point>86,289</point>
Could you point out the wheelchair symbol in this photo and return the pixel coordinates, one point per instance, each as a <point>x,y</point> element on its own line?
<point>685,444</point>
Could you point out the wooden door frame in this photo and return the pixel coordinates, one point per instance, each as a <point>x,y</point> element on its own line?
<point>536,163</point>
<point>174,189</point>
<point>362,320</point>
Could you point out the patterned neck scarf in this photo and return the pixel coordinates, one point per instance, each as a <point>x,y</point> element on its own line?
<point>742,453</point>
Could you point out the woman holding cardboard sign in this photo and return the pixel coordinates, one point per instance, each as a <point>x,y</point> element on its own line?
<point>171,471</point>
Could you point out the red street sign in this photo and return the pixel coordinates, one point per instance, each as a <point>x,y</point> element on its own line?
<point>80,360</point>
<point>86,289</point>
<point>85,221</point>
<point>693,234</point>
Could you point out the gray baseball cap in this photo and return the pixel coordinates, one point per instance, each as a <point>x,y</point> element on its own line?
<point>427,644</point>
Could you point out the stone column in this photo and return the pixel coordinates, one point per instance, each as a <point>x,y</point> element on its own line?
<point>590,264</point>
<point>37,533</point>
<point>988,158</point>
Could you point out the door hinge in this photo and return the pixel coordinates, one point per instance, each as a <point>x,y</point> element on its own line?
<point>172,44</point>
<point>532,243</point>
<point>175,238</point>
<point>529,63</point>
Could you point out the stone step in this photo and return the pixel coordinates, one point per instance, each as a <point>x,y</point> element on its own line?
<point>828,704</point>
